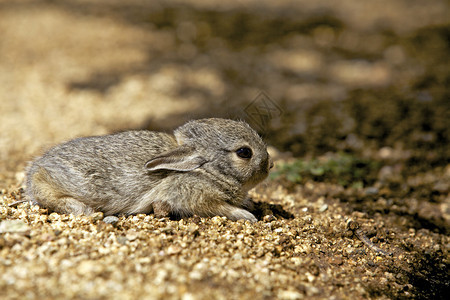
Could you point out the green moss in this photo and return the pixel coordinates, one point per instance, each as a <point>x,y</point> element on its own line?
<point>342,168</point>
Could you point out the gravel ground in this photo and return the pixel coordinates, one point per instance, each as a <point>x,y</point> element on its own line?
<point>305,245</point>
<point>366,79</point>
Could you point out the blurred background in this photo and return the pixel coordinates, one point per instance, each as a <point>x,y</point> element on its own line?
<point>352,95</point>
<point>364,77</point>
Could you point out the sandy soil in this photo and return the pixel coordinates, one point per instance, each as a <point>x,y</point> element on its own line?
<point>364,85</point>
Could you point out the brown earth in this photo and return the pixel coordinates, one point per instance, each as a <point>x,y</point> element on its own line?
<point>359,124</point>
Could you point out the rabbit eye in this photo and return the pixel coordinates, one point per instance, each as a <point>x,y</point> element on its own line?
<point>244,152</point>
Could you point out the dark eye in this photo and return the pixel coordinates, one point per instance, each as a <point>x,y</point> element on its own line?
<point>244,152</point>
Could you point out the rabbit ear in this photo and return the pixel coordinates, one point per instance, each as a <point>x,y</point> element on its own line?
<point>182,159</point>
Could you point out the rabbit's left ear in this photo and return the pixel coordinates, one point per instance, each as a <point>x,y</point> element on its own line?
<point>181,159</point>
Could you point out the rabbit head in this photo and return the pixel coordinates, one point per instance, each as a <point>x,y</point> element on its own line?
<point>223,148</point>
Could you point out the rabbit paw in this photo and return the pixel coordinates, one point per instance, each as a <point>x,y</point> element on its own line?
<point>241,214</point>
<point>161,209</point>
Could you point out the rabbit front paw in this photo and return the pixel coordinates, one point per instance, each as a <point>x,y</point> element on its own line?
<point>237,213</point>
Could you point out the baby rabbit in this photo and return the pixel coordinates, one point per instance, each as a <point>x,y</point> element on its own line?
<point>205,168</point>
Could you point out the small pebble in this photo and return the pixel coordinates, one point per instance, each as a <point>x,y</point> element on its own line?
<point>97,216</point>
<point>323,208</point>
<point>371,191</point>
<point>16,226</point>
<point>113,220</point>
<point>122,239</point>
<point>269,218</point>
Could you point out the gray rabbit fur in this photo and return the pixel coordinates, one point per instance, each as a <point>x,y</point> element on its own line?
<point>206,168</point>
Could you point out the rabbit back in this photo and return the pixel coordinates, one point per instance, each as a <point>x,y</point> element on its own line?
<point>106,173</point>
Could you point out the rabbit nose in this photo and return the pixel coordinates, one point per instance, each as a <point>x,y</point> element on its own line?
<point>270,163</point>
